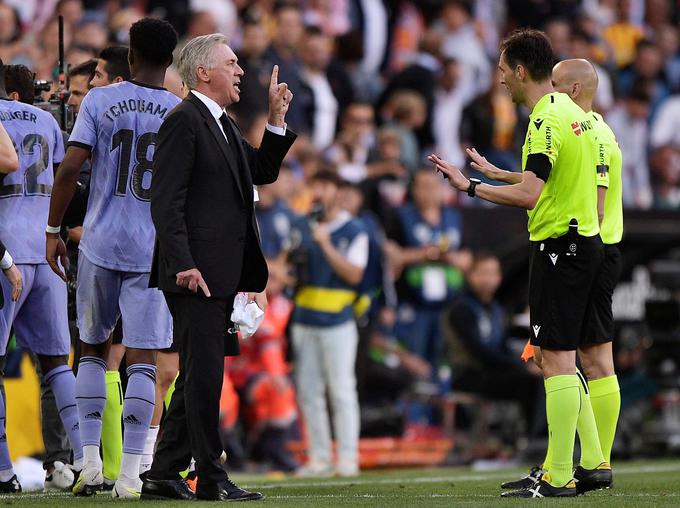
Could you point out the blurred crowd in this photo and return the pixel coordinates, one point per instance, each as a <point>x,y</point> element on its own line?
<point>443,52</point>
<point>378,85</point>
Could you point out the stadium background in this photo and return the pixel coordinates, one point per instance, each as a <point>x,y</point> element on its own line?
<point>446,52</point>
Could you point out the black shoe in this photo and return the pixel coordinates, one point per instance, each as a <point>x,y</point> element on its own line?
<point>225,491</point>
<point>593,479</point>
<point>543,489</point>
<point>526,482</point>
<point>11,486</point>
<point>166,489</point>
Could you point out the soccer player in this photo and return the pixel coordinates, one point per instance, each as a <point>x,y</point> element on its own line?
<point>558,188</point>
<point>117,127</point>
<point>112,66</point>
<point>578,79</point>
<point>39,316</point>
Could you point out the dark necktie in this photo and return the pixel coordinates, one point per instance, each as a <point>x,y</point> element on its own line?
<point>224,120</point>
<point>233,146</point>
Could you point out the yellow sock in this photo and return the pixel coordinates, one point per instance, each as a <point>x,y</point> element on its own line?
<point>591,452</point>
<point>112,430</point>
<point>605,398</point>
<point>562,408</point>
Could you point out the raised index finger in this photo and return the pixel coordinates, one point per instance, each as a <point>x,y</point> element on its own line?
<point>275,76</point>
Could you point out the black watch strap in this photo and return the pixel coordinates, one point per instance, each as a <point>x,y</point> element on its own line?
<point>472,189</point>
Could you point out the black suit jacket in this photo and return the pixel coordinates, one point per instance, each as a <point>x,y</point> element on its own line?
<point>202,201</point>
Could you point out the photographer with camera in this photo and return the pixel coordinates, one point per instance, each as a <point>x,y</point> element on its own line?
<point>324,331</point>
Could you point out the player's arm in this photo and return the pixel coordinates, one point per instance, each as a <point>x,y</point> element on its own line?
<point>9,160</point>
<point>524,194</point>
<point>82,140</point>
<point>65,181</point>
<point>490,171</point>
<point>11,272</point>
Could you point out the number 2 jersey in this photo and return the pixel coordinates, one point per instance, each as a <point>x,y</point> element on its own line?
<point>25,193</point>
<point>118,124</point>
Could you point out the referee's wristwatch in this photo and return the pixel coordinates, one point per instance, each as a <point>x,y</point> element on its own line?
<point>472,188</point>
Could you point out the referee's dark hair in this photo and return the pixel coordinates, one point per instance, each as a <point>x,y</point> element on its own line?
<point>530,48</point>
<point>116,62</point>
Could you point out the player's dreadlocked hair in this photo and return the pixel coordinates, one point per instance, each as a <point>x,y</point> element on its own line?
<point>153,40</point>
<point>530,48</point>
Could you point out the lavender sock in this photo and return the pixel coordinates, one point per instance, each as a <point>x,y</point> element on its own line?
<point>5,461</point>
<point>138,406</point>
<point>63,384</point>
<point>91,398</point>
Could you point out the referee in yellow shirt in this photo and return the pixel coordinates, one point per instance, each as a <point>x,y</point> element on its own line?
<point>559,190</point>
<point>578,79</point>
<point>600,397</point>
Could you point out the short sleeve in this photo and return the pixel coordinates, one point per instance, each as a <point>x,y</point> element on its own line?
<point>357,252</point>
<point>544,136</point>
<point>58,150</point>
<point>84,132</point>
<point>603,160</point>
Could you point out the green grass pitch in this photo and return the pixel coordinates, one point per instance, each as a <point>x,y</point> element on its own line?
<point>650,483</point>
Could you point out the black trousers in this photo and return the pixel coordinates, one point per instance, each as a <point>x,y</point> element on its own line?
<point>191,425</point>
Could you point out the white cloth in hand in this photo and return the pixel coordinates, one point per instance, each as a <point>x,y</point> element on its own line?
<point>247,316</point>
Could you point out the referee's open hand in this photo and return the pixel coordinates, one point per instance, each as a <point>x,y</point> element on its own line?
<point>482,165</point>
<point>450,172</point>
<point>192,280</point>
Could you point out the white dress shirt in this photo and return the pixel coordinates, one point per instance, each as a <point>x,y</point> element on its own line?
<point>216,111</point>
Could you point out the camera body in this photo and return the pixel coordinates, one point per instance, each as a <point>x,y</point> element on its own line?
<point>55,105</point>
<point>298,252</point>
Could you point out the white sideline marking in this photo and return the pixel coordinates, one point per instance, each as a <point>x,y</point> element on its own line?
<point>498,475</point>
<point>623,470</point>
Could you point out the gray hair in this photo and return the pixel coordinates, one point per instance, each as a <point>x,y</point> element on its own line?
<point>198,53</point>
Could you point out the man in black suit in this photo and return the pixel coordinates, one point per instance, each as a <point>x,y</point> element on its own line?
<point>207,249</point>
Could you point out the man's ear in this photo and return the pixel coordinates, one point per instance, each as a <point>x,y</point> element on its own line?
<point>575,90</point>
<point>14,96</point>
<point>520,72</point>
<point>202,74</point>
<point>117,79</point>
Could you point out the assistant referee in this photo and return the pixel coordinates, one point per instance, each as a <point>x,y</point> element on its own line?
<point>578,79</point>
<point>559,188</point>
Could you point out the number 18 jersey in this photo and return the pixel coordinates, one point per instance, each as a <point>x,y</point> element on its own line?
<point>25,193</point>
<point>118,124</point>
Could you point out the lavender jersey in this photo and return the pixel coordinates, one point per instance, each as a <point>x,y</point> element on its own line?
<point>25,193</point>
<point>119,123</point>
